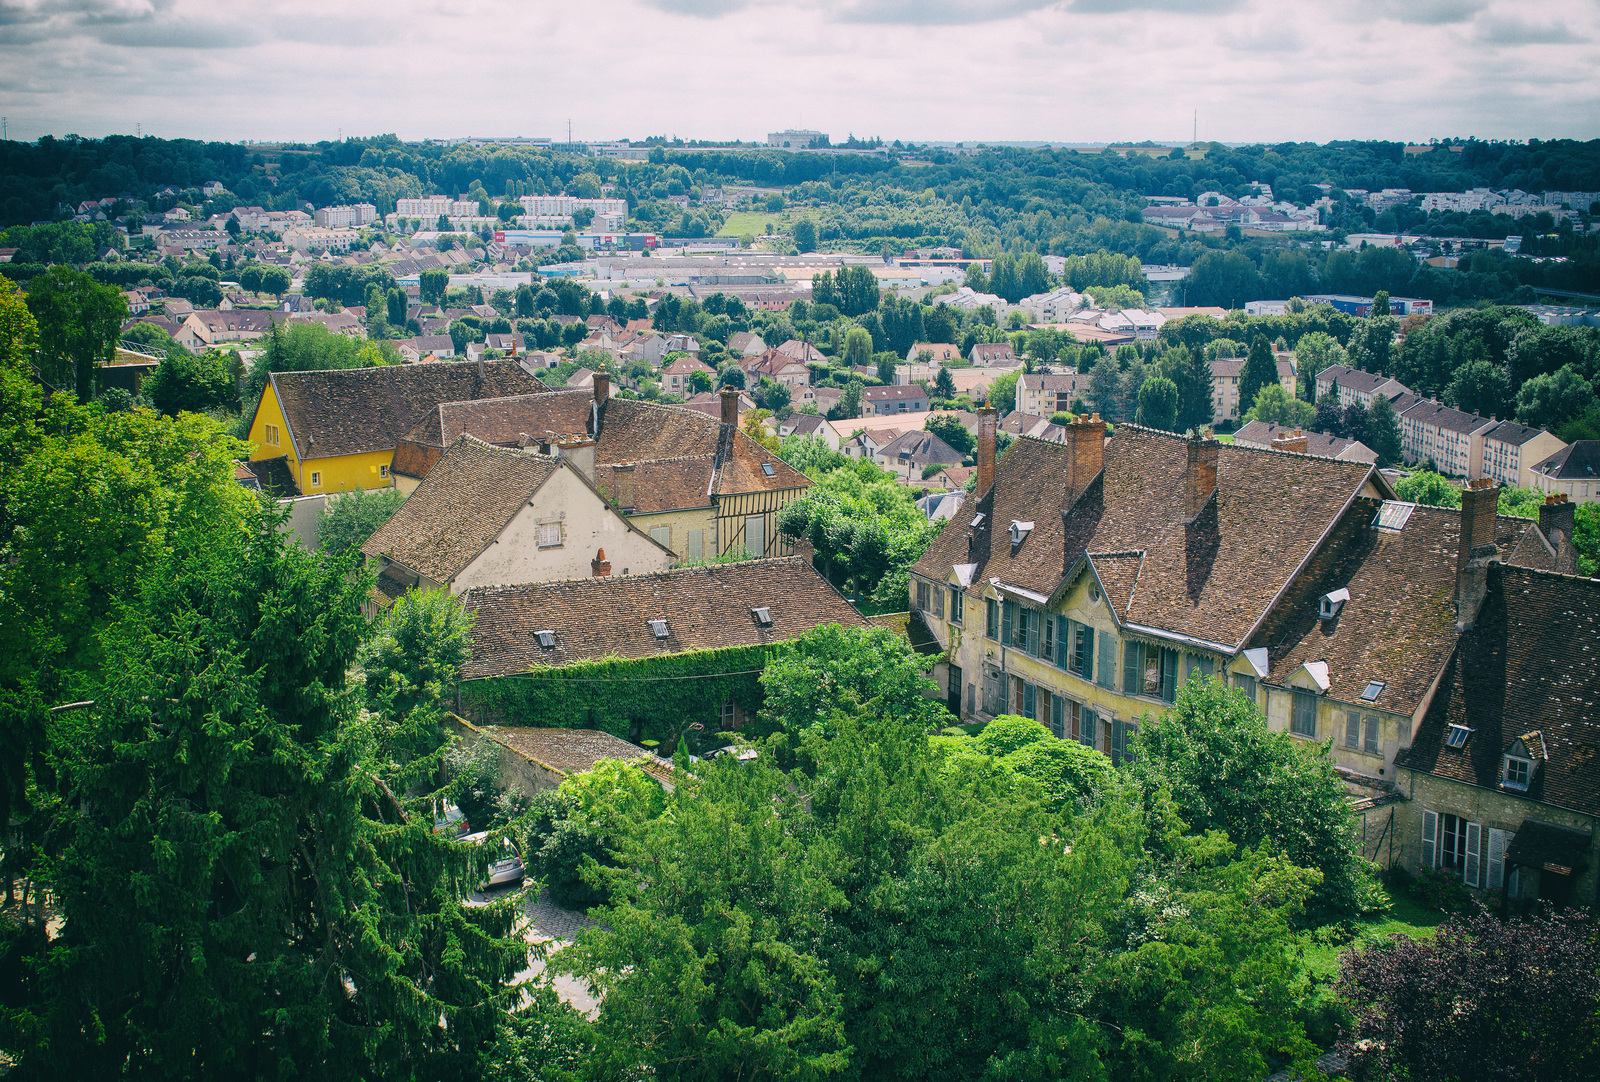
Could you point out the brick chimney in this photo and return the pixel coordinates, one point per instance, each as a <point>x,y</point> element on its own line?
<point>600,566</point>
<point>730,406</point>
<point>602,385</point>
<point>987,423</point>
<point>622,477</point>
<point>1558,520</point>
<point>580,452</point>
<point>1199,474</point>
<point>1086,439</point>
<point>1295,441</point>
<point>1480,501</point>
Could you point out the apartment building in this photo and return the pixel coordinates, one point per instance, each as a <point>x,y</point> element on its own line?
<point>1510,451</point>
<point>1573,472</point>
<point>1453,440</point>
<point>429,207</point>
<point>1042,395</point>
<point>1357,386</point>
<point>347,217</point>
<point>1225,373</point>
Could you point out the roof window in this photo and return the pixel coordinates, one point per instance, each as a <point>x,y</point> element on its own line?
<point>1332,603</point>
<point>547,638</point>
<point>659,628</point>
<point>763,615</point>
<point>1456,735</point>
<point>1393,515</point>
<point>766,468</point>
<point>1371,692</point>
<point>1019,531</point>
<point>977,520</point>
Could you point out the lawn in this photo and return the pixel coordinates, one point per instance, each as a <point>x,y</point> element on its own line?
<point>1406,916</point>
<point>754,222</point>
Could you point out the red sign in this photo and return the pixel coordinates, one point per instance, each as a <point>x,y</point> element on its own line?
<point>500,237</point>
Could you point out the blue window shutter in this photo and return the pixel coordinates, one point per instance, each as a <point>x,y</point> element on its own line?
<point>1028,701</point>
<point>1063,641</point>
<point>1032,618</point>
<point>1007,616</point>
<point>1088,650</point>
<point>1108,660</point>
<point>1169,674</point>
<point>1056,710</point>
<point>1130,667</point>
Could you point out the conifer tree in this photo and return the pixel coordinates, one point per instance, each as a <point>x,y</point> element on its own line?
<point>1259,370</point>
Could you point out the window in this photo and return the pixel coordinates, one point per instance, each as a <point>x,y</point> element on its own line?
<point>1030,701</point>
<point>1122,734</point>
<point>766,468</point>
<point>658,628</point>
<point>991,618</point>
<point>1083,651</point>
<point>763,615</point>
<point>1108,660</point>
<point>1030,630</point>
<point>1245,683</point>
<point>1088,727</point>
<point>316,478</point>
<point>1132,660</point>
<point>1304,722</point>
<point>730,715</point>
<point>958,604</point>
<point>697,544</point>
<point>1058,712</point>
<point>1008,623</point>
<point>1169,674</point>
<point>383,471</point>
<point>922,596</point>
<point>1196,663</point>
<point>1047,640</point>
<point>755,535</point>
<point>549,535</point>
<point>1456,735</point>
<point>272,434</point>
<point>1499,842</point>
<point>1517,772</point>
<point>547,638</point>
<point>1352,730</point>
<point>1370,693</point>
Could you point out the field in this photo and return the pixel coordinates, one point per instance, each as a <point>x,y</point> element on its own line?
<point>1406,916</point>
<point>754,222</point>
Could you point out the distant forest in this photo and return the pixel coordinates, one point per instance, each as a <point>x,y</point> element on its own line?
<point>1012,199</point>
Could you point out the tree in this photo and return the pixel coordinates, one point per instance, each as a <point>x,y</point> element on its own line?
<point>944,384</point>
<point>1260,369</point>
<point>274,280</point>
<point>1158,403</point>
<point>1383,431</point>
<point>857,352</point>
<point>1483,997</point>
<point>1380,305</point>
<point>886,366</point>
<point>1032,276</point>
<point>416,652</point>
<point>289,915</point>
<point>1004,280</point>
<point>1353,423</point>
<point>1329,417</point>
<point>1003,392</point>
<point>1226,770</point>
<point>1191,373</point>
<point>1225,279</point>
<point>1105,387</point>
<point>941,324</point>
<point>1274,406</point>
<point>850,401</point>
<point>183,381</point>
<point>858,290</point>
<point>396,307</point>
<point>863,526</point>
<point>1550,401</point>
<point>1428,488</point>
<point>950,429</point>
<point>805,235</point>
<point>79,320</point>
<point>975,279</point>
<point>433,282</point>
<point>349,519</point>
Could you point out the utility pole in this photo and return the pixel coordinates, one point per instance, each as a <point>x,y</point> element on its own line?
<point>569,133</point>
<point>2,129</point>
<point>138,131</point>
<point>1196,142</point>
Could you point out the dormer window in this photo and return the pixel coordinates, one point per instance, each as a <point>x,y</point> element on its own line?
<point>763,615</point>
<point>1517,773</point>
<point>1456,736</point>
<point>658,628</point>
<point>547,638</point>
<point>1019,531</point>
<point>977,520</point>
<point>766,468</point>
<point>1332,603</point>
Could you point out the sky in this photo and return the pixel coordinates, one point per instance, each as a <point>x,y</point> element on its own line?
<point>916,70</point>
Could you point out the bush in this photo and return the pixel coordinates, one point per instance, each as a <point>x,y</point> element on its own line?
<point>348,520</point>
<point>1008,732</point>
<point>1441,889</point>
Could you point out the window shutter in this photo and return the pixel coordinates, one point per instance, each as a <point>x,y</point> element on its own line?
<point>1063,643</point>
<point>1057,709</point>
<point>1087,634</point>
<point>1028,702</point>
<point>1088,723</point>
<point>1430,839</point>
<point>1513,873</point>
<point>1474,841</point>
<point>1497,859</point>
<point>1372,734</point>
<point>1352,731</point>
<point>1030,619</point>
<point>1108,660</point>
<point>1169,674</point>
<point>1131,652</point>
<point>1008,611</point>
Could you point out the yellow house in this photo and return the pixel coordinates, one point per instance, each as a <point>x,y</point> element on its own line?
<point>337,429</point>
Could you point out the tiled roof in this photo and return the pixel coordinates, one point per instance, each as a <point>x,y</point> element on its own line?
<point>921,448</point>
<point>1361,381</point>
<point>1055,381</point>
<point>1212,579</point>
<point>704,607</point>
<point>1119,574</point>
<point>1442,416</point>
<point>469,496</point>
<point>1398,626</point>
<point>356,410</point>
<point>274,476</point>
<point>1528,666</point>
<point>1325,444</point>
<point>573,751</point>
<point>664,484</point>
<point>1512,433</point>
<point>896,393</point>
<point>1579,461</point>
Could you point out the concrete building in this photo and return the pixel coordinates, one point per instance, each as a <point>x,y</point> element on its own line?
<point>1573,472</point>
<point>1452,440</point>
<point>1510,451</point>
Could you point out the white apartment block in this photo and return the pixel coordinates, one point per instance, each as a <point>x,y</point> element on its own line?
<point>1452,439</point>
<point>346,217</point>
<point>1510,451</point>
<point>1357,386</point>
<point>558,205</point>
<point>432,206</point>
<point>304,239</point>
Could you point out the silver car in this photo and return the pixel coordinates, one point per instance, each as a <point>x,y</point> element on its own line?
<point>506,867</point>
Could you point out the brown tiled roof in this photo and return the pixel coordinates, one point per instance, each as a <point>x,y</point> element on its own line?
<point>898,392</point>
<point>1527,666</point>
<point>573,751</point>
<point>1442,416</point>
<point>1212,579</point>
<point>705,608</point>
<point>921,449</point>
<point>1325,444</point>
<point>356,410</point>
<point>459,508</point>
<point>505,420</point>
<point>1535,551</point>
<point>1399,625</point>
<point>663,484</point>
<point>1119,574</point>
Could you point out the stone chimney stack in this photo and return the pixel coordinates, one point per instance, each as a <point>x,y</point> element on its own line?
<point>1295,441</point>
<point>1558,520</point>
<point>579,452</point>
<point>730,406</point>
<point>622,475</point>
<point>602,385</point>
<point>1086,439</point>
<point>1480,502</point>
<point>1199,474</point>
<point>600,566</point>
<point>987,425</point>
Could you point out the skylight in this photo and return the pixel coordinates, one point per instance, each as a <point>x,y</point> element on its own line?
<point>1457,735</point>
<point>659,628</point>
<point>1393,515</point>
<point>1371,692</point>
<point>977,520</point>
<point>763,615</point>
<point>766,468</point>
<point>547,639</point>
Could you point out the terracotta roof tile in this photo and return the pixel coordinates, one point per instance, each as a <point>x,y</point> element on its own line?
<point>705,608</point>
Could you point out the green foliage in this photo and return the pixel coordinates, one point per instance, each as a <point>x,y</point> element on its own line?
<point>1260,369</point>
<point>1586,539</point>
<point>832,668</point>
<point>1007,733</point>
<point>305,347</point>
<point>184,381</point>
<point>857,351</point>
<point>950,429</point>
<point>1116,297</point>
<point>1274,405</point>
<point>416,652</point>
<point>1225,770</point>
<point>1550,401</point>
<point>1196,388</point>
<point>1003,392</point>
<point>79,320</point>
<point>349,519</point>
<point>1428,488</point>
<point>805,235</point>
<point>1383,431</point>
<point>1158,403</point>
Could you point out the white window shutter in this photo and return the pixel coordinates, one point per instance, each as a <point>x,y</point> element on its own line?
<point>1513,873</point>
<point>1430,838</point>
<point>1497,858</point>
<point>1474,841</point>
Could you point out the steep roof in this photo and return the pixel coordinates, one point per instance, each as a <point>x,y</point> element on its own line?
<point>1325,444</point>
<point>469,496</point>
<point>921,448</point>
<point>355,410</point>
<point>1513,433</point>
<point>663,484</point>
<point>1212,578</point>
<point>705,608</point>
<point>1579,461</point>
<point>1398,627</point>
<point>1525,671</point>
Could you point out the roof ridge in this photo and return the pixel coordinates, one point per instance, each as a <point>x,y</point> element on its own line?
<point>670,458</point>
<point>602,580</point>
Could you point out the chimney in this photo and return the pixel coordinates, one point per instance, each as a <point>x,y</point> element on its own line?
<point>622,478</point>
<point>1558,520</point>
<point>579,452</point>
<point>1086,440</point>
<point>1480,501</point>
<point>602,385</point>
<point>730,406</point>
<point>1295,441</point>
<point>1199,474</point>
<point>600,566</point>
<point>986,441</point>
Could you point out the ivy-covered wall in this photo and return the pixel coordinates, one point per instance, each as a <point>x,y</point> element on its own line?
<point>656,698</point>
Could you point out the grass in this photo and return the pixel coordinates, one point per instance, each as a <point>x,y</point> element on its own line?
<point>1405,915</point>
<point>754,222</point>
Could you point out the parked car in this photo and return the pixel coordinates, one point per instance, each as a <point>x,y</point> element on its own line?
<point>505,868</point>
<point>453,821</point>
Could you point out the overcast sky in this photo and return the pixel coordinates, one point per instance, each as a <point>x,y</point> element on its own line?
<point>1073,70</point>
